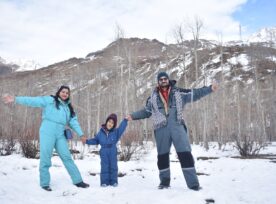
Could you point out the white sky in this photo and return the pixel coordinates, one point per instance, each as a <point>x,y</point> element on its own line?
<point>49,31</point>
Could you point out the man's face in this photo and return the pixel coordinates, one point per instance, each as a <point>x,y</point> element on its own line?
<point>163,82</point>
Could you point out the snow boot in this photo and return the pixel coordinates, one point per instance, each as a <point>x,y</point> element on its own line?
<point>196,188</point>
<point>165,183</point>
<point>82,185</point>
<point>163,186</point>
<point>46,188</point>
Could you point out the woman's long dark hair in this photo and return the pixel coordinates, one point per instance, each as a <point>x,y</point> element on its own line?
<point>72,112</point>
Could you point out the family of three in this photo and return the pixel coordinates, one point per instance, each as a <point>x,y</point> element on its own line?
<point>164,106</point>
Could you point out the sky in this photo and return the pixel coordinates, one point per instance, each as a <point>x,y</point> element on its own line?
<point>256,14</point>
<point>50,31</point>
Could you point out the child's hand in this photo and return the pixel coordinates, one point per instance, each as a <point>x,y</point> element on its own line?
<point>128,117</point>
<point>83,139</point>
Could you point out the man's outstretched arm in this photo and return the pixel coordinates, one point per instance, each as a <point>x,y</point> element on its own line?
<point>197,94</point>
<point>143,113</point>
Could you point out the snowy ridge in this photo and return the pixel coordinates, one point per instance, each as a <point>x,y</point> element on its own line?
<point>2,60</point>
<point>25,65</point>
<point>19,65</point>
<point>264,35</point>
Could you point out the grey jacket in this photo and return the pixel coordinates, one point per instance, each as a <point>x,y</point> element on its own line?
<point>187,96</point>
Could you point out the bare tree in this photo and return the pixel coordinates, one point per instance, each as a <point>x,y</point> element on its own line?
<point>221,133</point>
<point>194,27</point>
<point>178,33</point>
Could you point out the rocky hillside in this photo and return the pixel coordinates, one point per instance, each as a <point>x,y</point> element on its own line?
<point>120,77</point>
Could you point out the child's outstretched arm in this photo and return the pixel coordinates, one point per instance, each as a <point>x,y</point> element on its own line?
<point>93,141</point>
<point>121,129</point>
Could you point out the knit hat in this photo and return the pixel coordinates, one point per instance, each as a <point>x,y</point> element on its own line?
<point>113,117</point>
<point>162,74</point>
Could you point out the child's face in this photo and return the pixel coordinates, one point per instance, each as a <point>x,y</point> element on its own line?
<point>110,124</point>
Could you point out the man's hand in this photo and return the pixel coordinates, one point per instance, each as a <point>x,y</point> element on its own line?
<point>8,99</point>
<point>215,86</point>
<point>83,139</point>
<point>128,117</point>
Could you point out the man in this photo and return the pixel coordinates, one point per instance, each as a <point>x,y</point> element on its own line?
<point>165,106</point>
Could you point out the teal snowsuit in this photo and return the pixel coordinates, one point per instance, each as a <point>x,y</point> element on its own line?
<point>51,135</point>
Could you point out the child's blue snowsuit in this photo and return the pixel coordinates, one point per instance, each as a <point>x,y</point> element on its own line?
<point>52,135</point>
<point>108,152</point>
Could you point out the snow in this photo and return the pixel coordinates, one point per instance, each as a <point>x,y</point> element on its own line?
<point>142,89</point>
<point>242,59</point>
<point>3,61</point>
<point>229,180</point>
<point>264,35</point>
<point>216,59</point>
<point>92,81</point>
<point>211,73</point>
<point>117,58</point>
<point>25,65</point>
<point>250,81</point>
<point>237,78</point>
<point>104,75</point>
<point>162,65</point>
<point>272,58</point>
<point>177,69</point>
<point>21,64</point>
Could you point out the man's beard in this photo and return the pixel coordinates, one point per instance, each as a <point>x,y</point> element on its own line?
<point>164,85</point>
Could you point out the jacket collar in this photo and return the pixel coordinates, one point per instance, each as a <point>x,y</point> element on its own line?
<point>105,130</point>
<point>64,102</point>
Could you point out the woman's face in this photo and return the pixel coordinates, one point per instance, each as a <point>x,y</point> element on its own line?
<point>64,94</point>
<point>110,124</point>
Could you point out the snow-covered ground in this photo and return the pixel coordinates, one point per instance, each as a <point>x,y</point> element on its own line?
<point>227,180</point>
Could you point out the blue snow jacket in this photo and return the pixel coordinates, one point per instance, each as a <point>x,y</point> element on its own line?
<point>50,112</point>
<point>105,138</point>
<point>108,152</point>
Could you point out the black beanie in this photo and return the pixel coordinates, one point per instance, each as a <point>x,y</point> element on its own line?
<point>162,74</point>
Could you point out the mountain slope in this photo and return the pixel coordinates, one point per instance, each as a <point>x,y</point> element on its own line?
<point>120,77</point>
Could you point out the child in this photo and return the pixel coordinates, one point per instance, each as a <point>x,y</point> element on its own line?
<point>107,137</point>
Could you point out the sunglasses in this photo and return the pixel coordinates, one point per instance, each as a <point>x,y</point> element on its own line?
<point>163,79</point>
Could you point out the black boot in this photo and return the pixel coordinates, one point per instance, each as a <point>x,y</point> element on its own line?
<point>196,188</point>
<point>165,183</point>
<point>46,188</point>
<point>82,185</point>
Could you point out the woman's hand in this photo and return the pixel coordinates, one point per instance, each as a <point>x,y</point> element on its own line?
<point>8,99</point>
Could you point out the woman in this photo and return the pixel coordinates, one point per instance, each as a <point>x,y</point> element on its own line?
<point>57,113</point>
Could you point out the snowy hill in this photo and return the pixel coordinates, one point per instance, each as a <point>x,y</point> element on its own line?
<point>120,77</point>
